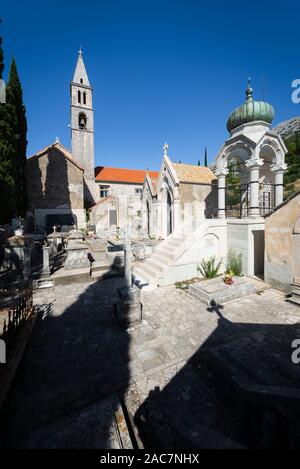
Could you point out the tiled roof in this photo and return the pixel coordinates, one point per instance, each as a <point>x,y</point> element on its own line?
<point>137,176</point>
<point>194,174</point>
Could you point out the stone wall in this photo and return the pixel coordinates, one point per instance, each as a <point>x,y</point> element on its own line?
<point>197,201</point>
<point>124,199</point>
<point>281,247</point>
<point>245,237</point>
<point>54,185</point>
<point>54,182</point>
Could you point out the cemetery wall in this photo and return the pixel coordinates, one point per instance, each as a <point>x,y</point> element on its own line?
<point>281,251</point>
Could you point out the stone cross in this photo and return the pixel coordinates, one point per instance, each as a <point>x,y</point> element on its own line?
<point>165,148</point>
<point>127,258</point>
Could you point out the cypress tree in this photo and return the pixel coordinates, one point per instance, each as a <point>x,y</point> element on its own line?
<point>14,97</point>
<point>205,157</point>
<point>1,58</point>
<point>7,156</point>
<point>199,163</point>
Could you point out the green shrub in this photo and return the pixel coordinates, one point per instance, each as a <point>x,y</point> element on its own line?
<point>209,268</point>
<point>234,263</point>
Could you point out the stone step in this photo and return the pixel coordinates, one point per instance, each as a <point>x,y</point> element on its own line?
<point>99,266</point>
<point>164,256</point>
<point>148,269</point>
<point>156,264</point>
<point>142,277</point>
<point>296,288</point>
<point>105,274</point>
<point>294,299</point>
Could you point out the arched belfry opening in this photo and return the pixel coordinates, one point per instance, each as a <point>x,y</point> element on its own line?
<point>82,121</point>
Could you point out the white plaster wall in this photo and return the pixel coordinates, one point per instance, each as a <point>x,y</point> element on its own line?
<point>240,239</point>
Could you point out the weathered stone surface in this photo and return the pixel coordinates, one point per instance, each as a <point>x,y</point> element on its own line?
<point>216,290</point>
<point>282,245</point>
<point>77,355</point>
<point>77,255</point>
<point>128,306</point>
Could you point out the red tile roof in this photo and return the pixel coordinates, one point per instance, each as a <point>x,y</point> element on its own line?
<point>137,176</point>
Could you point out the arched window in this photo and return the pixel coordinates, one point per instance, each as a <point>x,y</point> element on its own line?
<point>79,97</point>
<point>84,97</point>
<point>81,80</point>
<point>82,120</point>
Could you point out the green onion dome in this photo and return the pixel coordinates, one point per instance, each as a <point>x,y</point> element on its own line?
<point>250,111</point>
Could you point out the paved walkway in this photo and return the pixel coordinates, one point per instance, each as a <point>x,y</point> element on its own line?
<point>78,356</point>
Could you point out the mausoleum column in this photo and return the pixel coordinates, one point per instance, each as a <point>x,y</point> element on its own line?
<point>253,165</point>
<point>278,170</point>
<point>221,175</point>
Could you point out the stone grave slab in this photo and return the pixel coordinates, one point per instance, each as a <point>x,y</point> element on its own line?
<point>216,290</point>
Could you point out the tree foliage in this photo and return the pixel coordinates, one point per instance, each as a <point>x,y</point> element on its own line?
<point>292,159</point>
<point>14,97</point>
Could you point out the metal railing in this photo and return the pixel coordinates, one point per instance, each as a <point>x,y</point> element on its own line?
<point>15,310</point>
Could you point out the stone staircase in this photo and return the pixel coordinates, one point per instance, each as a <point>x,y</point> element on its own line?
<point>164,266</point>
<point>294,296</point>
<point>153,270</point>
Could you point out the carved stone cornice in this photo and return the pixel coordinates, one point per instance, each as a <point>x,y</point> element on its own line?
<point>278,167</point>
<point>254,162</point>
<point>221,172</point>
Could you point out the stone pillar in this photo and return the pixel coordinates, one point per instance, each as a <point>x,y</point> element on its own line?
<point>221,175</point>
<point>253,165</point>
<point>46,261</point>
<point>127,262</point>
<point>27,264</point>
<point>278,170</point>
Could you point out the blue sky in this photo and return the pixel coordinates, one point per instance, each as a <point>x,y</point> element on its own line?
<point>162,70</point>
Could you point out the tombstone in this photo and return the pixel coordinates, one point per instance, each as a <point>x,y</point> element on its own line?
<point>27,265</point>
<point>55,242</point>
<point>16,226</point>
<point>77,251</point>
<point>46,261</point>
<point>45,280</point>
<point>128,306</point>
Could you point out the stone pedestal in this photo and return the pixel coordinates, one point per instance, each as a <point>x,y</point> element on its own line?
<point>77,255</point>
<point>129,306</point>
<point>45,280</point>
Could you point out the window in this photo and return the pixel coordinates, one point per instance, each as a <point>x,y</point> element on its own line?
<point>81,80</point>
<point>82,120</point>
<point>138,190</point>
<point>112,217</point>
<point>84,97</point>
<point>79,97</point>
<point>104,191</point>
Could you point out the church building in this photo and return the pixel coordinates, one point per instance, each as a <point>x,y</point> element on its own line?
<point>64,187</point>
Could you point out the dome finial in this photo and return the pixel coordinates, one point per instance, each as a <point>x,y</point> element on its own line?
<point>249,91</point>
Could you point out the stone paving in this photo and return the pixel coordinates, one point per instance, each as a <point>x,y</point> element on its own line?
<point>79,356</point>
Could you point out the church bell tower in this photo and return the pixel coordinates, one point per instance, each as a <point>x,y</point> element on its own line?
<point>82,127</point>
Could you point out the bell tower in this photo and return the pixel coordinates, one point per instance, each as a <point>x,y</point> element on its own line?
<point>82,126</point>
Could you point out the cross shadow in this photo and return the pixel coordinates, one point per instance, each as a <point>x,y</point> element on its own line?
<point>74,373</point>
